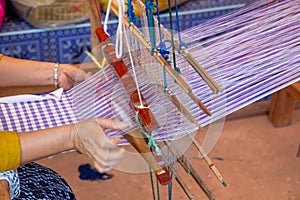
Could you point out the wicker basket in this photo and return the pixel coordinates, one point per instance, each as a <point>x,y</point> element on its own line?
<point>50,13</point>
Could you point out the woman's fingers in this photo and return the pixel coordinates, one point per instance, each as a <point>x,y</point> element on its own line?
<point>108,157</point>
<point>111,124</point>
<point>110,153</point>
<point>101,168</point>
<point>91,140</point>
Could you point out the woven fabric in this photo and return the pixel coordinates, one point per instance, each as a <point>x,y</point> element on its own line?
<point>30,116</point>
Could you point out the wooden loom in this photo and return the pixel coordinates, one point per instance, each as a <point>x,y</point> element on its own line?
<point>290,93</point>
<point>159,58</point>
<point>136,138</point>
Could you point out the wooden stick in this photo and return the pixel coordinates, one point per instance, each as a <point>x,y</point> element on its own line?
<point>182,184</point>
<point>163,62</point>
<point>146,117</point>
<point>181,108</point>
<point>200,70</point>
<point>191,170</point>
<point>137,140</point>
<point>185,53</point>
<point>171,96</point>
<point>186,113</point>
<point>208,161</point>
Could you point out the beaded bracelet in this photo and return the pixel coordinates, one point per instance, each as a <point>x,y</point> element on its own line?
<point>55,74</point>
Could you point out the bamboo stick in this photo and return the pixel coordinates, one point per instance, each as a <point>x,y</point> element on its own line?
<point>181,108</point>
<point>137,140</point>
<point>191,170</point>
<point>171,96</point>
<point>209,162</point>
<point>182,184</point>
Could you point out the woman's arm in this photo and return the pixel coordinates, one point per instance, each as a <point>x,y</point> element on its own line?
<point>43,143</point>
<point>86,137</point>
<point>4,190</point>
<point>20,72</point>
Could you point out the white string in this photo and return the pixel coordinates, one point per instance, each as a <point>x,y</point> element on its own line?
<point>106,17</point>
<point>119,34</point>
<point>119,40</point>
<point>133,69</point>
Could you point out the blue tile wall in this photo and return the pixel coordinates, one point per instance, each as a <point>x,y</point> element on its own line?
<point>27,46</point>
<point>69,45</point>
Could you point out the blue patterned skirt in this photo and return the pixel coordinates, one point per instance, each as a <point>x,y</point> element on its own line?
<point>38,182</point>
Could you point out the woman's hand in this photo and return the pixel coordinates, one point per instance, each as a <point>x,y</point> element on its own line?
<point>89,138</point>
<point>68,75</point>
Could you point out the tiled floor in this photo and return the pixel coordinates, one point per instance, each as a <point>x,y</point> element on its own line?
<point>257,161</point>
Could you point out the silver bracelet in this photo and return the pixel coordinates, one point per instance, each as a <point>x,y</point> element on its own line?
<point>55,74</point>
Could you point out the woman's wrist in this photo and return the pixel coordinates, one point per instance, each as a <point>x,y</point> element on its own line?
<point>55,74</point>
<point>71,137</point>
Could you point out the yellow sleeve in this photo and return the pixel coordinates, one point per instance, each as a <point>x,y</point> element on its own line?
<point>1,55</point>
<point>10,152</point>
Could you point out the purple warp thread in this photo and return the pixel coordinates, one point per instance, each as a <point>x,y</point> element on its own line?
<point>251,53</point>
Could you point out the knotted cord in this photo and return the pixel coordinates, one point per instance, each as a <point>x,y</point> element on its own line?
<point>150,139</point>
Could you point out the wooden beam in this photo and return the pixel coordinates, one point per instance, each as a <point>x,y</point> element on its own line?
<point>294,91</point>
<point>283,104</point>
<point>9,91</point>
<point>281,108</point>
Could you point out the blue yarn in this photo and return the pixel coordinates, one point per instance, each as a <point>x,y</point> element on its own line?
<point>149,13</point>
<point>87,173</point>
<point>158,19</point>
<point>130,13</point>
<point>181,43</point>
<point>170,189</point>
<point>162,47</point>
<point>163,50</point>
